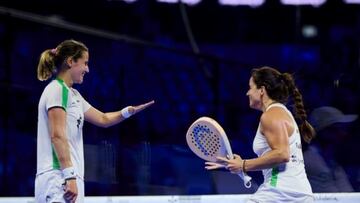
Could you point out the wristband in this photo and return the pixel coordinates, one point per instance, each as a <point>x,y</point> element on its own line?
<point>125,112</point>
<point>69,173</point>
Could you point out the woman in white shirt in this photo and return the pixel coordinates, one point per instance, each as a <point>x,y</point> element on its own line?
<point>278,139</point>
<point>61,114</point>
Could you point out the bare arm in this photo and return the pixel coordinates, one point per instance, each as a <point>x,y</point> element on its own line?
<point>105,120</point>
<point>101,119</point>
<point>276,128</point>
<point>57,122</point>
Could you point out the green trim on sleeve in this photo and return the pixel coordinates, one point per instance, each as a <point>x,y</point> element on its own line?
<point>65,93</point>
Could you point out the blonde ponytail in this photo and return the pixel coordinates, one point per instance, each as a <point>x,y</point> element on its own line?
<point>46,67</point>
<point>52,60</point>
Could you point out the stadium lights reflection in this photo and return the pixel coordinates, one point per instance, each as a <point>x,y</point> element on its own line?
<point>188,2</point>
<point>352,1</point>
<point>252,3</point>
<point>127,1</point>
<point>168,1</point>
<point>303,2</point>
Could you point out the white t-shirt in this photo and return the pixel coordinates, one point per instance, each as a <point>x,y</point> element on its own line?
<point>58,94</point>
<point>288,179</point>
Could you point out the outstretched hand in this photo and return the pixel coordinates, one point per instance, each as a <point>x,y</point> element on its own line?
<point>136,109</point>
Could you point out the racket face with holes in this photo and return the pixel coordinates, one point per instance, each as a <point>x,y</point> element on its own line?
<point>207,139</point>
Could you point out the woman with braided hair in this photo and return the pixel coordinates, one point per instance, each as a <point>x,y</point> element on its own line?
<point>278,139</point>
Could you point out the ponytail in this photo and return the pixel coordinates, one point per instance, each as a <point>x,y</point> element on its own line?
<point>46,67</point>
<point>306,130</point>
<point>53,59</point>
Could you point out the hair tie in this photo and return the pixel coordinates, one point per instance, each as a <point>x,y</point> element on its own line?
<point>53,51</point>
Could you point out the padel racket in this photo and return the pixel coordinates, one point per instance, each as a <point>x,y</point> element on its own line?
<point>207,139</point>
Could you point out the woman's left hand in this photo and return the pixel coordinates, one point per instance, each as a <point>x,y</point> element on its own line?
<point>213,165</point>
<point>233,165</point>
<point>135,109</point>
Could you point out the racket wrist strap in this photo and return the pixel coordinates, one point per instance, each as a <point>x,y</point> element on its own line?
<point>125,112</point>
<point>69,173</point>
<point>243,165</point>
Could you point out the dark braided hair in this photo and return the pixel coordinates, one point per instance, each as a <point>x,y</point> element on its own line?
<point>279,86</point>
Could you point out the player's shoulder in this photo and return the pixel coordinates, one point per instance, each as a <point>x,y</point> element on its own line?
<point>273,115</point>
<point>54,86</point>
<point>266,118</point>
<point>276,110</point>
<point>75,91</point>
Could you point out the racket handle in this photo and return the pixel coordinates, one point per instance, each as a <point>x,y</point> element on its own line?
<point>246,179</point>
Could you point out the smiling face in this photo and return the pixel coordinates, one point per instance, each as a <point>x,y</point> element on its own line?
<point>79,67</point>
<point>255,95</point>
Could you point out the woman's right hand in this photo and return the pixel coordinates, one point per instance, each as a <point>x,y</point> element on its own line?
<point>71,191</point>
